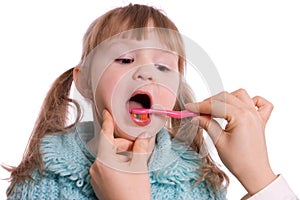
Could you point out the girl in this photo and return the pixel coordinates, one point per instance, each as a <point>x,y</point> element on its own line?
<point>118,151</point>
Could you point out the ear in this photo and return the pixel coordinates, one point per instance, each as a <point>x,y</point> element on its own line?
<point>75,74</point>
<point>81,81</point>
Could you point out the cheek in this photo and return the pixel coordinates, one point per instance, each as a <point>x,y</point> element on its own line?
<point>104,92</point>
<point>168,89</point>
<point>167,98</point>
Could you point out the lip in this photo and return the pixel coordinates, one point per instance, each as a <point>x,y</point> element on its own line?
<point>140,122</point>
<point>135,120</point>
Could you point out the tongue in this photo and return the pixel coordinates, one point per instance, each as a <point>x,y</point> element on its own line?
<point>134,104</point>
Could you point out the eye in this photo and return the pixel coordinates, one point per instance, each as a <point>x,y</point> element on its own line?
<point>162,68</point>
<point>124,60</point>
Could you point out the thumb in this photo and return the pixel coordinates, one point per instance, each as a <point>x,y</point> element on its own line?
<point>142,143</point>
<point>211,126</point>
<point>264,107</point>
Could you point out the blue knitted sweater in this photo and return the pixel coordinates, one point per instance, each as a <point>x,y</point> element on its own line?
<point>173,170</point>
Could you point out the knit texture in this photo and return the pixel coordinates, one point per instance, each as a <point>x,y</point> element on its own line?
<point>173,170</point>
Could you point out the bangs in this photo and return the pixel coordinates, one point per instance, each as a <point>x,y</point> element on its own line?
<point>144,20</point>
<point>169,38</point>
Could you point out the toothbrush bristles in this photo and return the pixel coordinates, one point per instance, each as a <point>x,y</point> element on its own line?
<point>144,116</point>
<point>140,116</point>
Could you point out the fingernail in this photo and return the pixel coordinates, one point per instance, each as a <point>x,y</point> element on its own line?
<point>195,121</point>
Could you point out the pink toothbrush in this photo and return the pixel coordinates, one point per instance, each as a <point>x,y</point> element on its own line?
<point>141,112</point>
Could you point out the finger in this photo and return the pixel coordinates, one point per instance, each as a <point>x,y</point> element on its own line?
<point>225,97</point>
<point>123,144</point>
<point>211,126</point>
<point>238,98</point>
<point>119,144</point>
<point>243,96</point>
<point>201,107</point>
<point>143,143</point>
<point>106,146</point>
<point>142,150</point>
<point>264,107</point>
<point>123,149</point>
<point>215,108</point>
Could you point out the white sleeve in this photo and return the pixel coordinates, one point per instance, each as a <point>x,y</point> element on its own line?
<point>277,190</point>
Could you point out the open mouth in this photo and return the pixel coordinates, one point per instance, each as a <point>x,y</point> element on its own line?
<point>140,100</point>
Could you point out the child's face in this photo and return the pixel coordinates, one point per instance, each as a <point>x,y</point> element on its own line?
<point>139,78</point>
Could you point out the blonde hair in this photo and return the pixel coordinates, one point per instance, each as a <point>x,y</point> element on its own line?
<point>54,112</point>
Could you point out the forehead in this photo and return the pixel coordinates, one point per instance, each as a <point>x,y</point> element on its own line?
<point>119,47</point>
<point>147,37</point>
<point>153,37</point>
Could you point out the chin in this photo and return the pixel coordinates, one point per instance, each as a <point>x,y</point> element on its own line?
<point>120,134</point>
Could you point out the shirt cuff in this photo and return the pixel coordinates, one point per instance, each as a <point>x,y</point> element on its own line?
<point>278,189</point>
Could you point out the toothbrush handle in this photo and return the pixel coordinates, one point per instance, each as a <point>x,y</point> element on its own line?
<point>171,113</point>
<point>180,114</point>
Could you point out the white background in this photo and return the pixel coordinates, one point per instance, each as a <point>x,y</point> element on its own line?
<point>254,44</point>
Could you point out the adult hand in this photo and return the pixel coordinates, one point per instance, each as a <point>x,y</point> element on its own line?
<point>120,170</point>
<point>241,144</point>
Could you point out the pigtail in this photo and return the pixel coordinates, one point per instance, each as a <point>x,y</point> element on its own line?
<point>52,118</point>
<point>181,128</point>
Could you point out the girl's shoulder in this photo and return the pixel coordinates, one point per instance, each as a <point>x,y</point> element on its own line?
<point>84,131</point>
<point>69,141</point>
<point>66,155</point>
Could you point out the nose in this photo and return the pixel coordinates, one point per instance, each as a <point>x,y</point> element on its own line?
<point>144,73</point>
